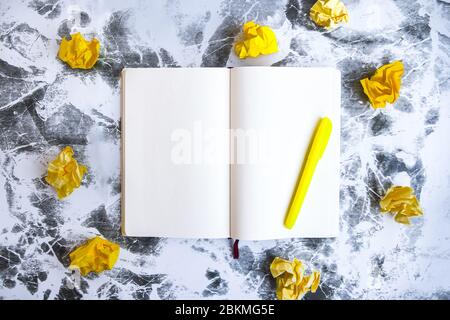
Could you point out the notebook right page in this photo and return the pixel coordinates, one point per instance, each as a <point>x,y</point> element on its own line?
<point>274,112</point>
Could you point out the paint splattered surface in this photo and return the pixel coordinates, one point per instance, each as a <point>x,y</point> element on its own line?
<point>44,106</point>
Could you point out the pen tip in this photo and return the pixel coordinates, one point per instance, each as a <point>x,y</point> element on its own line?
<point>288,225</point>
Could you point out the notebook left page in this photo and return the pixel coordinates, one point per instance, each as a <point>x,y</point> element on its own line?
<point>175,152</point>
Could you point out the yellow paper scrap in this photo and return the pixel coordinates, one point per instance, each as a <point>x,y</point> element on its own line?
<point>95,255</point>
<point>402,203</point>
<point>64,173</point>
<point>79,53</point>
<point>292,283</point>
<point>384,85</point>
<point>256,40</point>
<point>328,13</point>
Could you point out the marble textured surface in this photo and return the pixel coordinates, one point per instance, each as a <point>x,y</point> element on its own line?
<point>44,105</point>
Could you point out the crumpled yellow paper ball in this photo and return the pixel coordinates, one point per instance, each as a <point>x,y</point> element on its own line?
<point>256,40</point>
<point>328,13</point>
<point>95,255</point>
<point>79,53</point>
<point>402,203</point>
<point>64,173</point>
<point>384,85</point>
<point>291,282</point>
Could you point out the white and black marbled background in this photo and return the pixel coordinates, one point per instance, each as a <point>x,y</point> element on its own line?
<point>44,106</point>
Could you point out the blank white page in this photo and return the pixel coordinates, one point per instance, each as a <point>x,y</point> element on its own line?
<point>281,108</point>
<point>175,180</point>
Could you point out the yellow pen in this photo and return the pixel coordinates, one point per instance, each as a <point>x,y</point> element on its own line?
<point>317,147</point>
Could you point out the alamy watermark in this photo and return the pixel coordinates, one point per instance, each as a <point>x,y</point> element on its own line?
<point>200,145</point>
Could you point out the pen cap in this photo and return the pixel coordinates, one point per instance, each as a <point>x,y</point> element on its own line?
<point>323,132</point>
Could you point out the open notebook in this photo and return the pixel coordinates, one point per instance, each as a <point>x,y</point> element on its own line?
<point>216,152</point>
